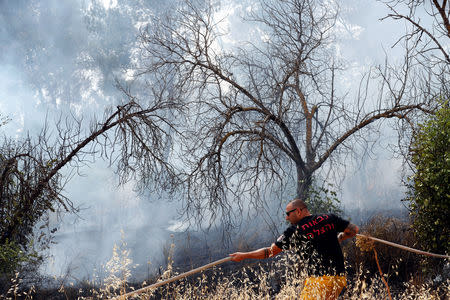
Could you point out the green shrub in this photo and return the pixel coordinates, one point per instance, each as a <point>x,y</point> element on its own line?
<point>11,255</point>
<point>429,188</point>
<point>322,198</point>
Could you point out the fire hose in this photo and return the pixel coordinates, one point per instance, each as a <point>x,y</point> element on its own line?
<point>404,247</point>
<point>221,261</point>
<point>158,284</point>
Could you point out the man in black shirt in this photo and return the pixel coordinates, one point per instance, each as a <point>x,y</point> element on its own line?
<point>316,240</point>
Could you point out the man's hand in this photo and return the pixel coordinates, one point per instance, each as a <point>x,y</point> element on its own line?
<point>238,256</point>
<point>348,233</point>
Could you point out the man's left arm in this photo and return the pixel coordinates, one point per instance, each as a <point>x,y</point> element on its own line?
<point>350,231</point>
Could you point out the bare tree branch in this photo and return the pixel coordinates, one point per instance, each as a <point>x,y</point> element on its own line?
<point>32,172</point>
<point>268,112</point>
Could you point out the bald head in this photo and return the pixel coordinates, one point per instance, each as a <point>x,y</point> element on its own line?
<point>298,203</point>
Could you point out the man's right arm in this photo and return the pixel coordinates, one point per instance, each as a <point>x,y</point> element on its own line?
<point>257,254</point>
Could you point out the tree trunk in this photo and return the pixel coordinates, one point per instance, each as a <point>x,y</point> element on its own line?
<point>304,180</point>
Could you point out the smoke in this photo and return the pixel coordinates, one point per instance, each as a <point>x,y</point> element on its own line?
<point>65,55</point>
<point>85,243</point>
<point>60,56</point>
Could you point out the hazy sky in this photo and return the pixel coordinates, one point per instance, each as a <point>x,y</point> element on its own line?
<point>60,56</point>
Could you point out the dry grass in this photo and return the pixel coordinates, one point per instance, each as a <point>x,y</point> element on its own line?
<point>279,278</point>
<point>259,281</point>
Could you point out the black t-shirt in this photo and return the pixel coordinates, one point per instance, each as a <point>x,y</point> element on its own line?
<point>315,240</point>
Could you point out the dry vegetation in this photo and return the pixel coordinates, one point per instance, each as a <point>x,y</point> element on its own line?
<point>408,276</point>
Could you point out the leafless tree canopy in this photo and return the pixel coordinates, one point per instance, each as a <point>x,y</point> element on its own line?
<point>429,28</point>
<point>426,41</point>
<point>268,112</point>
<point>34,171</point>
